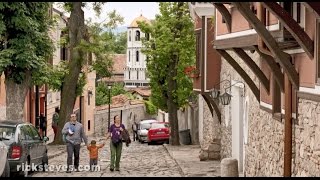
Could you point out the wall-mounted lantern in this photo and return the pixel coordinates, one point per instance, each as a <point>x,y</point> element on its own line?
<point>225,98</point>
<point>90,94</point>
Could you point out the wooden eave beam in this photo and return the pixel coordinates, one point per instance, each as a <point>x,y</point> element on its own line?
<point>275,69</point>
<point>241,72</point>
<point>254,68</point>
<point>214,105</point>
<point>313,6</point>
<point>292,26</point>
<point>283,58</point>
<point>225,14</point>
<point>208,103</point>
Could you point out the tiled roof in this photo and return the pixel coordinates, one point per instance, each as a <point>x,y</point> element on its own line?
<point>143,91</point>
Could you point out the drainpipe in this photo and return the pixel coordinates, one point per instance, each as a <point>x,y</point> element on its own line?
<point>287,127</point>
<point>262,17</point>
<point>37,123</point>
<point>45,105</point>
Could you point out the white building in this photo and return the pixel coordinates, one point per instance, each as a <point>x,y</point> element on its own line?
<point>135,74</point>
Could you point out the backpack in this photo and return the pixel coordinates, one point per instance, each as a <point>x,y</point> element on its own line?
<point>116,136</point>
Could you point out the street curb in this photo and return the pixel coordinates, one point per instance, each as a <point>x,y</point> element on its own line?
<point>180,169</point>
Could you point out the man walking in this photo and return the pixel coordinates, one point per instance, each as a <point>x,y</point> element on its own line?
<point>43,125</point>
<point>134,129</point>
<point>55,121</point>
<point>74,135</point>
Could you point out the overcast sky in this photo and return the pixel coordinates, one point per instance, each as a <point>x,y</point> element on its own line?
<point>129,10</point>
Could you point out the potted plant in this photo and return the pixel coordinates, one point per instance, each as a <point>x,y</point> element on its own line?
<point>191,71</point>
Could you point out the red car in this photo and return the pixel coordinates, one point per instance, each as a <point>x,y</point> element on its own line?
<point>159,132</point>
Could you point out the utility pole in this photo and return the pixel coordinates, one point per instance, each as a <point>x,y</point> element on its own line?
<point>109,88</point>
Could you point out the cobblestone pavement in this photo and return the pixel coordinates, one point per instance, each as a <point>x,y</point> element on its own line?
<point>137,160</point>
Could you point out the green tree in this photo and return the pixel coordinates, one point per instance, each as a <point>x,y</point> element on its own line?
<point>102,92</point>
<point>82,40</point>
<point>24,51</point>
<point>170,49</point>
<point>121,43</point>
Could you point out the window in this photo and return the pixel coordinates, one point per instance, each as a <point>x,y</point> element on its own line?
<point>129,35</point>
<point>276,100</point>
<point>298,13</point>
<point>63,48</point>
<point>129,75</point>
<point>129,56</point>
<point>137,56</point>
<point>27,131</point>
<point>137,74</point>
<point>35,134</point>
<point>137,35</point>
<point>7,133</point>
<point>198,50</point>
<point>147,36</point>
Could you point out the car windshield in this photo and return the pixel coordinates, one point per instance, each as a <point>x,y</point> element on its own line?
<point>7,133</point>
<point>145,126</point>
<point>159,125</point>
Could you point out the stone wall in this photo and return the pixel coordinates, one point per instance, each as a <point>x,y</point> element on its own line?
<point>101,117</point>
<point>211,135</point>
<point>228,73</point>
<point>2,113</point>
<point>264,150</point>
<point>307,140</point>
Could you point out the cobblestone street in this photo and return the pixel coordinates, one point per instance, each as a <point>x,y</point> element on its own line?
<point>137,160</point>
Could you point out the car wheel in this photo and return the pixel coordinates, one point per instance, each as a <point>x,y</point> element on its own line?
<point>149,143</point>
<point>6,171</point>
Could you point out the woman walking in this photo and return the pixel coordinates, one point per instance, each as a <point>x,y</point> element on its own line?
<point>116,143</point>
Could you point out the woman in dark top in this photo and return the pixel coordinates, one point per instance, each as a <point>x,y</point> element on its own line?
<point>116,143</point>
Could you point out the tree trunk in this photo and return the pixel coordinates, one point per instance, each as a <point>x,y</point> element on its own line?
<point>172,105</point>
<point>68,92</point>
<point>15,98</point>
<point>172,83</point>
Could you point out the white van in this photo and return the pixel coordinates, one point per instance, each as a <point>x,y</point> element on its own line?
<point>143,128</point>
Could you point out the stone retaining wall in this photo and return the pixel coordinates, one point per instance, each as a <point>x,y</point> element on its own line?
<point>101,117</point>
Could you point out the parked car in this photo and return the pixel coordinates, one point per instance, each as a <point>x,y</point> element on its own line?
<point>4,163</point>
<point>25,145</point>
<point>143,127</point>
<point>159,133</point>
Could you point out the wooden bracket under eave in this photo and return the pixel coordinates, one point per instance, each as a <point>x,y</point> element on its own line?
<point>254,68</point>
<point>212,105</point>
<point>292,26</point>
<point>284,59</point>
<point>225,14</point>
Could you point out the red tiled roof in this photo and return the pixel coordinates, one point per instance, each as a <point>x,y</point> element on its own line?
<point>146,92</point>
